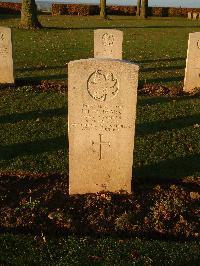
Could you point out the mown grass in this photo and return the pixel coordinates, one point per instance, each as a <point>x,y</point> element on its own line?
<point>27,250</point>
<point>34,125</point>
<point>33,134</point>
<point>158,45</point>
<point>33,131</point>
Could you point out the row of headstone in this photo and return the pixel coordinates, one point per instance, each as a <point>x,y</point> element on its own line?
<point>193,15</point>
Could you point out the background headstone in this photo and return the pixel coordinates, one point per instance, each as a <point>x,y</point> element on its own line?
<point>6,60</point>
<point>102,111</point>
<point>108,43</point>
<point>192,71</point>
<point>189,15</point>
<point>195,15</point>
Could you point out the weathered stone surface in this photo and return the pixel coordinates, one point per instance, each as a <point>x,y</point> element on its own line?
<point>192,71</point>
<point>102,110</point>
<point>189,15</point>
<point>6,60</point>
<point>108,43</point>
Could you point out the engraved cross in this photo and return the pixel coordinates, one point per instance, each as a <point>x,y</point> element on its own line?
<point>100,145</point>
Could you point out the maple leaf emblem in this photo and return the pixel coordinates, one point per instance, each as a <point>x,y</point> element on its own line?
<point>101,86</point>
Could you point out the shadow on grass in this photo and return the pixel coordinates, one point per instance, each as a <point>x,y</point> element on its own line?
<point>174,123</point>
<point>161,80</point>
<point>171,170</point>
<point>37,80</point>
<point>157,69</point>
<point>161,60</point>
<point>34,147</point>
<point>40,68</point>
<point>16,117</point>
<point>143,101</point>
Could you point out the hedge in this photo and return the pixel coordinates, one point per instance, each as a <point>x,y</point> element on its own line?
<point>171,11</point>
<point>10,8</point>
<point>74,9</point>
<point>85,10</point>
<point>122,10</point>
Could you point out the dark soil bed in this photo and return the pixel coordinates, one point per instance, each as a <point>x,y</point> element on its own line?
<point>40,203</point>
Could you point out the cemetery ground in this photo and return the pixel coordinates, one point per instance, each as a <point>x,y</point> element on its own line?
<point>41,224</point>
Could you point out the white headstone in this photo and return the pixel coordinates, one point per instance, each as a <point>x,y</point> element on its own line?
<point>189,15</point>
<point>102,112</point>
<point>195,16</point>
<point>6,60</point>
<point>108,43</point>
<point>192,71</point>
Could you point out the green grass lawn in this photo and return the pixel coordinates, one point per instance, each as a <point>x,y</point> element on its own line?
<point>33,134</point>
<point>158,45</point>
<point>33,131</point>
<point>27,250</point>
<point>167,140</point>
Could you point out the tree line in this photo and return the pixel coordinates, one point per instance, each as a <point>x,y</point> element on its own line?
<point>29,18</point>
